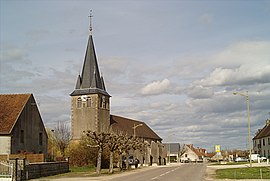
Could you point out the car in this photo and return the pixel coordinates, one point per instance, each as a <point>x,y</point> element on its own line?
<point>240,159</point>
<point>131,161</point>
<point>262,158</point>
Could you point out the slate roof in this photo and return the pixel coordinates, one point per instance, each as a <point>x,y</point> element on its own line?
<point>126,125</point>
<point>11,106</point>
<point>265,132</point>
<point>90,81</point>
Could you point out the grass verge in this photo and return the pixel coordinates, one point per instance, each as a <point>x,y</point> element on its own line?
<point>244,173</point>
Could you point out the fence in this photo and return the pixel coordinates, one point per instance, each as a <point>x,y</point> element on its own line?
<point>6,171</point>
<point>20,169</point>
<point>31,158</point>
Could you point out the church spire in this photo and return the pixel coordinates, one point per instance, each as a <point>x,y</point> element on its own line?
<point>90,80</point>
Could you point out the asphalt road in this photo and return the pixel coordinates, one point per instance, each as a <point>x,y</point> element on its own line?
<point>184,172</point>
<point>173,172</point>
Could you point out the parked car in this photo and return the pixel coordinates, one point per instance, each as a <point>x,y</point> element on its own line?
<point>262,158</point>
<point>131,161</point>
<point>240,159</point>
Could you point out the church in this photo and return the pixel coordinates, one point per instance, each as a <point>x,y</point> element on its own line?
<point>90,109</point>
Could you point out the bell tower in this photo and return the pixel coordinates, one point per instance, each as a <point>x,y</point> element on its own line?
<point>90,102</point>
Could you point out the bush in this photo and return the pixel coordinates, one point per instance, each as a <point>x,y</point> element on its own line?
<point>82,155</point>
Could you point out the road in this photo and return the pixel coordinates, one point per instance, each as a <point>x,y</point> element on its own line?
<point>185,172</point>
<point>173,172</point>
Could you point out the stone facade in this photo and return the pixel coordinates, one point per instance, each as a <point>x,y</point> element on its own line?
<point>89,112</point>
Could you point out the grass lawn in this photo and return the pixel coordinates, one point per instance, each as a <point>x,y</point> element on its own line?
<point>85,171</point>
<point>244,173</point>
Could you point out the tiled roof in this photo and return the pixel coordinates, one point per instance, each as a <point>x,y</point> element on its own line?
<point>11,106</point>
<point>263,132</point>
<point>126,125</point>
<point>199,152</point>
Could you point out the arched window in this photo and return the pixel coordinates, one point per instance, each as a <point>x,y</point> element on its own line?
<point>79,102</point>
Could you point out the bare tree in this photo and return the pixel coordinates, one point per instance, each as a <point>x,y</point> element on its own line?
<point>182,150</point>
<point>113,144</point>
<point>101,140</point>
<point>62,136</point>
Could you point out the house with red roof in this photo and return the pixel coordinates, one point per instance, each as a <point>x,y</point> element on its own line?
<point>193,154</point>
<point>21,126</point>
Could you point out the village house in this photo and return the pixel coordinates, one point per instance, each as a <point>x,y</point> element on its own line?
<point>194,154</point>
<point>261,142</point>
<point>173,152</point>
<point>90,110</point>
<point>21,126</point>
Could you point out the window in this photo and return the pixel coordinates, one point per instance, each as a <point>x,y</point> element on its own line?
<point>79,102</point>
<point>89,101</point>
<point>268,141</point>
<point>40,139</point>
<point>263,142</point>
<point>22,136</point>
<point>104,102</point>
<point>100,102</point>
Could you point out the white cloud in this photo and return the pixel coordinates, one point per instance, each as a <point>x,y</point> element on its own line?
<point>244,75</point>
<point>156,87</point>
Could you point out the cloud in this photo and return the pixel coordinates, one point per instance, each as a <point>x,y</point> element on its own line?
<point>248,74</point>
<point>156,87</point>
<point>199,92</point>
<point>206,19</point>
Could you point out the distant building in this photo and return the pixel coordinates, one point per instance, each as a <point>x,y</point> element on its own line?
<point>90,109</point>
<point>194,154</point>
<point>21,126</point>
<point>173,152</point>
<point>261,142</point>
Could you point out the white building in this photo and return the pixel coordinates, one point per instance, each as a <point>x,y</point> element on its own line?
<point>261,142</point>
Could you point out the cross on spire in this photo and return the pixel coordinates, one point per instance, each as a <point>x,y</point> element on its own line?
<point>90,19</point>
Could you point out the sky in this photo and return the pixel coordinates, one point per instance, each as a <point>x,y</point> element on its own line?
<point>173,64</point>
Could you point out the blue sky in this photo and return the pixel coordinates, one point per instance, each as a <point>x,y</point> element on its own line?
<point>172,64</point>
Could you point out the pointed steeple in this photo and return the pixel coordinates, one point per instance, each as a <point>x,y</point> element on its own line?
<point>90,80</point>
<point>90,67</point>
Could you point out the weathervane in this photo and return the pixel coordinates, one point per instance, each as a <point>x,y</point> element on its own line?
<point>90,19</point>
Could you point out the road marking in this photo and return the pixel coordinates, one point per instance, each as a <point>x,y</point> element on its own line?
<point>161,175</point>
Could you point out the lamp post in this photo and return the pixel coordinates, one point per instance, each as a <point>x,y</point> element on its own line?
<point>134,128</point>
<point>52,144</point>
<point>249,140</point>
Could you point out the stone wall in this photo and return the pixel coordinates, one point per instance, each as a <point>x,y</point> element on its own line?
<point>37,170</point>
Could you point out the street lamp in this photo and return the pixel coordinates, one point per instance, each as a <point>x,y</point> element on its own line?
<point>52,144</point>
<point>249,139</point>
<point>134,128</point>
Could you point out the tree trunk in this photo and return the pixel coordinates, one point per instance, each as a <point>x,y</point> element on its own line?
<point>127,161</point>
<point>121,162</point>
<point>111,162</point>
<point>98,169</point>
